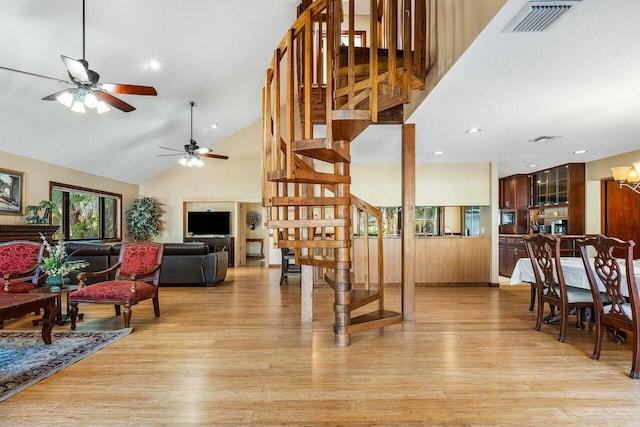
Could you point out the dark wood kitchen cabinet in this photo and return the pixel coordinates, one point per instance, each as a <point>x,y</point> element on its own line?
<point>514,202</point>
<point>510,250</point>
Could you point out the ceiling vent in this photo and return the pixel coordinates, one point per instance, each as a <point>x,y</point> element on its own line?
<point>543,139</point>
<point>538,16</point>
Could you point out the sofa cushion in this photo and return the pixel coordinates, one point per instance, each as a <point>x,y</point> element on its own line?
<point>115,290</point>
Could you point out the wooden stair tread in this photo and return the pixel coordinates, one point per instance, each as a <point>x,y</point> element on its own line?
<point>308,223</point>
<point>316,148</point>
<point>307,177</point>
<point>310,244</point>
<point>324,262</point>
<point>348,124</point>
<point>374,320</point>
<point>362,297</point>
<point>308,201</point>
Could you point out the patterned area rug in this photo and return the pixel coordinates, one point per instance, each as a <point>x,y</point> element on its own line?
<point>25,359</point>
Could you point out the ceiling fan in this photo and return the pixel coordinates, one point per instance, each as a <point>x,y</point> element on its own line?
<point>87,91</point>
<point>192,153</point>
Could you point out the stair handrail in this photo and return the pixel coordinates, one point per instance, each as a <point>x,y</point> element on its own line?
<point>307,62</point>
<point>369,210</point>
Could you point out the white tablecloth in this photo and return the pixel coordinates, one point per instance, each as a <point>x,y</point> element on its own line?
<point>573,271</point>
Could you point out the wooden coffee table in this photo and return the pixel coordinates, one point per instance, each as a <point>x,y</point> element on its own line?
<point>17,305</point>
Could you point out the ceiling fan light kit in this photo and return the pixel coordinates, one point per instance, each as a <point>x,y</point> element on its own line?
<point>88,92</point>
<point>192,152</point>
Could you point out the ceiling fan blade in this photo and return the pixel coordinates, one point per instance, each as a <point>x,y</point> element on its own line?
<point>128,89</point>
<point>114,102</point>
<point>172,149</point>
<point>76,69</point>
<point>54,96</point>
<point>35,75</point>
<point>166,155</point>
<point>214,156</point>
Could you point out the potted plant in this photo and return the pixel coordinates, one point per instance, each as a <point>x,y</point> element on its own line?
<point>56,264</point>
<point>35,218</point>
<point>143,219</point>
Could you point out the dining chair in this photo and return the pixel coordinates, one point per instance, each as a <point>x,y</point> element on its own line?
<point>137,274</point>
<point>289,266</point>
<point>619,307</point>
<point>544,252</point>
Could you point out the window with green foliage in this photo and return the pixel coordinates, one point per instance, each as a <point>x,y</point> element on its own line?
<point>428,220</point>
<point>391,222</point>
<point>86,214</point>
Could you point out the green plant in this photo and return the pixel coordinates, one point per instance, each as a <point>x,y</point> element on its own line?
<point>143,219</point>
<point>56,260</point>
<point>35,218</point>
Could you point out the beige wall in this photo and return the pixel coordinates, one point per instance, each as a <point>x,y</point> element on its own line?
<point>238,179</point>
<point>437,184</point>
<point>594,172</point>
<point>38,174</point>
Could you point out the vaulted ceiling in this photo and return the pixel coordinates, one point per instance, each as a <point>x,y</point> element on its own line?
<point>579,80</point>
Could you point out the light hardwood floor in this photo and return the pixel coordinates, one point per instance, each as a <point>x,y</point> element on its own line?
<point>237,354</point>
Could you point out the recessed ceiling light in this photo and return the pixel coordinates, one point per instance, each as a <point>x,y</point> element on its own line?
<point>533,165</point>
<point>579,151</point>
<point>153,64</point>
<point>214,126</point>
<point>438,152</point>
<point>473,130</point>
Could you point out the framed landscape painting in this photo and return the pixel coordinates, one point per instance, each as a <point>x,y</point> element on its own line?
<point>11,192</point>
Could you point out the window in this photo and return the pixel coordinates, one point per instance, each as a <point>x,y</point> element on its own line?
<point>472,220</point>
<point>428,220</point>
<point>86,214</point>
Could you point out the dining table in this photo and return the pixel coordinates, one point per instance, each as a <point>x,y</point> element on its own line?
<point>573,271</point>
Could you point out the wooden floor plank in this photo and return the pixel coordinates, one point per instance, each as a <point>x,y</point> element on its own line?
<point>237,354</point>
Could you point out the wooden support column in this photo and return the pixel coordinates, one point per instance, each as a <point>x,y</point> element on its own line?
<point>306,285</point>
<point>408,222</point>
<point>342,257</point>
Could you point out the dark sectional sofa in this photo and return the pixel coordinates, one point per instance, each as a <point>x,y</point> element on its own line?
<point>187,264</point>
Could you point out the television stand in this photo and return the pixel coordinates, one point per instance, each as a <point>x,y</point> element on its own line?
<point>217,243</point>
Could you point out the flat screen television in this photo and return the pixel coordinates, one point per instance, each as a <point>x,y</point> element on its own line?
<point>209,223</point>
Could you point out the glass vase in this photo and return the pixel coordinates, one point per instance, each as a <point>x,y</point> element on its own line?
<point>55,283</point>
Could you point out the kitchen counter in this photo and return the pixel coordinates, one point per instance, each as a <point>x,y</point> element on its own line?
<point>458,259</point>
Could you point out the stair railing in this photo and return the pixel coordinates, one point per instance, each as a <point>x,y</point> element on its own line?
<point>364,211</point>
<point>307,63</point>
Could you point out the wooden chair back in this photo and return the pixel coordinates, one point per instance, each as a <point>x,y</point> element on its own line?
<point>140,260</point>
<point>19,261</point>
<point>620,307</point>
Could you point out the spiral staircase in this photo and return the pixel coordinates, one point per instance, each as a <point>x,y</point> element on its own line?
<point>325,85</point>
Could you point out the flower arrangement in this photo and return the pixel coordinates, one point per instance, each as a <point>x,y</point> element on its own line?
<point>56,262</point>
<point>253,219</point>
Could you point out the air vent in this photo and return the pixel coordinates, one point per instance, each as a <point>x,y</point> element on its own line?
<point>543,139</point>
<point>538,16</point>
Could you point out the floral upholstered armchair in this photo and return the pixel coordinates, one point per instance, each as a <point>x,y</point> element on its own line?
<point>19,260</point>
<point>137,274</point>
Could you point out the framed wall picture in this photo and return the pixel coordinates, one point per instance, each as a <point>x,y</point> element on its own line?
<point>11,192</point>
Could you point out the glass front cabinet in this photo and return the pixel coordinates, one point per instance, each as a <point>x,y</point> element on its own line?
<point>557,194</point>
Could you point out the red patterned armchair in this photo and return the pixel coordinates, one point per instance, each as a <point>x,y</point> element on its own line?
<point>19,261</point>
<point>137,274</point>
